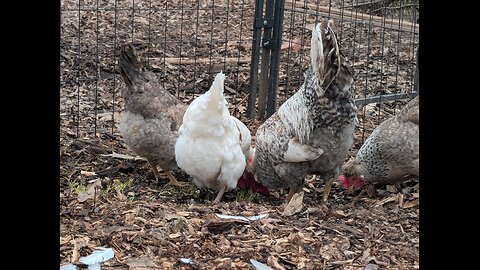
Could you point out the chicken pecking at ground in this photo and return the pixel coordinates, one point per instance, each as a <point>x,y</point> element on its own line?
<point>212,145</point>
<point>390,154</point>
<point>152,116</point>
<point>313,130</point>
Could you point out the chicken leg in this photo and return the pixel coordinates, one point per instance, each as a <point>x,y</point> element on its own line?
<point>155,171</point>
<point>326,191</point>
<point>223,187</point>
<point>172,180</point>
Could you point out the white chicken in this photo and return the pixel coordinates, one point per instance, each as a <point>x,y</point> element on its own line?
<point>212,145</point>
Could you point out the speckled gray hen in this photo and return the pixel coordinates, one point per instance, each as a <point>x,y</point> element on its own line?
<point>391,152</point>
<point>313,130</point>
<point>152,116</point>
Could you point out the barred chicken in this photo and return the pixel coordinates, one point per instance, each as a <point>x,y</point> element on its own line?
<point>151,117</point>
<point>212,145</point>
<point>390,154</point>
<point>313,130</point>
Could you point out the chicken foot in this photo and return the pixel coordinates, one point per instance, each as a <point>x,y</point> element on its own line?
<point>172,180</point>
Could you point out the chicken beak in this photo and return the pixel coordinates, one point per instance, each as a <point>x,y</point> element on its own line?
<point>350,189</point>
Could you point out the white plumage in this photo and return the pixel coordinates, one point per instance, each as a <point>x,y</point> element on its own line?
<point>212,145</point>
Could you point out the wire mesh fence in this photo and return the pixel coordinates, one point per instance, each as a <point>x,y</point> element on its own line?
<point>380,39</point>
<point>186,42</point>
<point>380,49</point>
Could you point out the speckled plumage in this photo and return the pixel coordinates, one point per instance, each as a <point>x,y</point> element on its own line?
<point>391,152</point>
<point>152,116</point>
<point>320,116</point>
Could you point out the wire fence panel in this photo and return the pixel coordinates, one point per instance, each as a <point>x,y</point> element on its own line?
<point>380,39</point>
<point>186,42</point>
<point>382,50</point>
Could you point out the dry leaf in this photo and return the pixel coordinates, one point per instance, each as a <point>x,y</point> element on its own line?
<point>223,263</point>
<point>410,204</point>
<point>219,227</point>
<point>385,200</point>
<point>169,216</point>
<point>120,195</point>
<point>64,240</point>
<point>337,213</point>
<point>90,193</point>
<point>143,263</point>
<point>165,266</point>
<point>183,213</point>
<point>295,205</point>
<point>87,173</point>
<point>272,261</point>
<point>78,243</point>
<point>129,218</point>
<point>174,235</point>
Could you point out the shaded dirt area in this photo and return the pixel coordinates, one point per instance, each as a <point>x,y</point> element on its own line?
<point>111,201</point>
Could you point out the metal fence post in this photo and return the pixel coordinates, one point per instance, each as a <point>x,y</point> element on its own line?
<point>272,25</point>
<point>275,61</point>
<point>255,58</point>
<point>267,43</point>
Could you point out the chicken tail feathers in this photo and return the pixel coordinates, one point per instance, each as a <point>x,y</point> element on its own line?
<point>217,86</point>
<point>333,61</point>
<point>316,53</point>
<point>325,53</point>
<point>129,65</point>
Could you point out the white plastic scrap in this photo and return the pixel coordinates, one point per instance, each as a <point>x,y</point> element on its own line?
<point>186,260</point>
<point>68,267</point>
<point>98,255</point>
<point>252,218</point>
<point>260,266</point>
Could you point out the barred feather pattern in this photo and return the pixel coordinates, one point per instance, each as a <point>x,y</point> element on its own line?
<point>321,114</point>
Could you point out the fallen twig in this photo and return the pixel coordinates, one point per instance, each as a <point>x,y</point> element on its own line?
<point>122,156</point>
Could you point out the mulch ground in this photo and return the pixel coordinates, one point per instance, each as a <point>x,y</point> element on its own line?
<point>114,201</point>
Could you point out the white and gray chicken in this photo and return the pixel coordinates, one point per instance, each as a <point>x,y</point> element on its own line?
<point>313,130</point>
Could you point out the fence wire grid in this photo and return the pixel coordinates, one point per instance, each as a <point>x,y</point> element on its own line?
<point>187,42</point>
